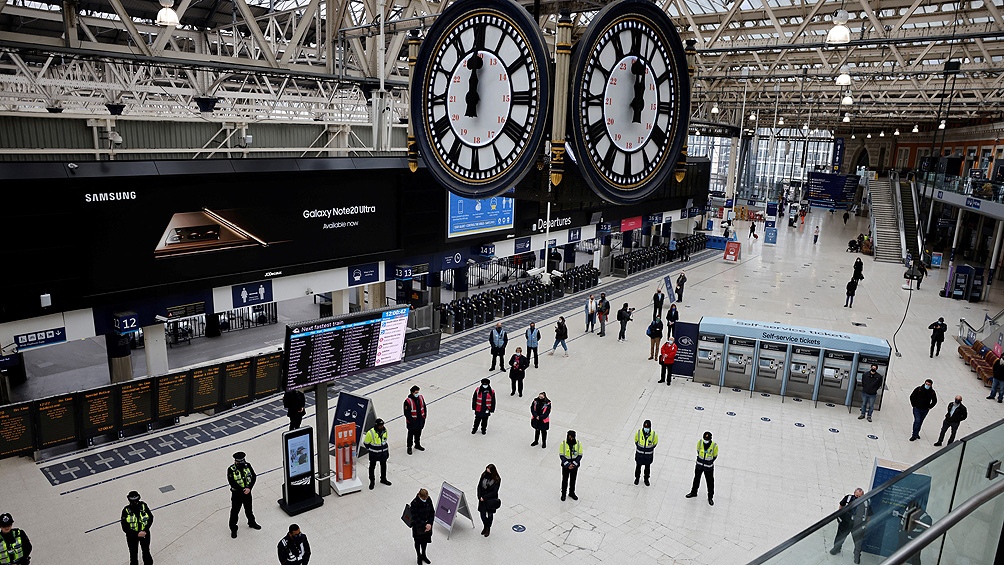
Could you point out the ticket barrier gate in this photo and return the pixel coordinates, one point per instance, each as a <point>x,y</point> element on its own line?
<point>770,367</point>
<point>835,377</point>
<point>708,366</point>
<point>739,362</point>
<point>802,369</point>
<point>864,365</point>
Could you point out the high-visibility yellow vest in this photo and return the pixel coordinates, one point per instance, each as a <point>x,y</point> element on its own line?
<point>571,453</point>
<point>706,457</point>
<point>241,476</point>
<point>13,552</point>
<point>137,521</point>
<point>645,444</point>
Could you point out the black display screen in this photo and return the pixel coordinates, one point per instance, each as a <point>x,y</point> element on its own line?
<point>136,402</point>
<point>267,374</point>
<point>57,420</point>
<point>237,381</point>
<point>17,434</point>
<point>172,395</point>
<point>205,387</point>
<point>99,412</point>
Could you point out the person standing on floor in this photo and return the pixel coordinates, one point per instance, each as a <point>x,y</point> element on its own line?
<point>707,452</point>
<point>241,478</point>
<point>414,417</point>
<point>517,371</point>
<point>667,356</point>
<point>532,342</point>
<point>658,299</point>
<point>602,313</point>
<point>923,398</point>
<point>15,547</point>
<point>998,381</point>
<point>921,270</point>
<point>570,453</point>
<point>858,270</point>
<point>852,288</point>
<point>853,522</point>
<point>624,316</point>
<point>540,418</point>
<point>560,335</point>
<point>815,235</point>
<point>488,497</point>
<point>680,282</point>
<point>956,414</point>
<point>645,441</point>
<point>375,441</point>
<point>136,521</point>
<point>293,548</point>
<point>497,339</point>
<point>672,249</point>
<point>423,514</point>
<point>483,405</point>
<point>654,333</point>
<point>295,404</point>
<point>938,330</point>
<point>871,384</point>
<point>672,317</point>
<point>590,314</point>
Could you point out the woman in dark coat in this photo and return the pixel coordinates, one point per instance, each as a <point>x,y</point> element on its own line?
<point>858,270</point>
<point>540,418</point>
<point>852,286</point>
<point>672,317</point>
<point>488,495</point>
<point>422,517</point>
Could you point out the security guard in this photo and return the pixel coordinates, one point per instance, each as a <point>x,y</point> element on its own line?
<point>645,441</point>
<point>136,521</point>
<point>376,442</point>
<point>293,547</point>
<point>241,477</point>
<point>570,453</point>
<point>15,548</point>
<point>707,452</point>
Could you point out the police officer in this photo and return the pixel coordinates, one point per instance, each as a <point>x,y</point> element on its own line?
<point>15,548</point>
<point>136,521</point>
<point>707,452</point>
<point>376,442</point>
<point>570,453</point>
<point>645,441</point>
<point>414,416</point>
<point>241,477</point>
<point>293,547</point>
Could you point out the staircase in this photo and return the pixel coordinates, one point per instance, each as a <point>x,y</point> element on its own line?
<point>909,220</point>
<point>887,245</point>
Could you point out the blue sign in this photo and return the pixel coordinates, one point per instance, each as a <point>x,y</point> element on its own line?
<point>683,214</point>
<point>455,259</point>
<point>605,227</point>
<point>695,211</point>
<point>654,218</point>
<point>751,202</point>
<point>522,244</point>
<point>364,274</point>
<point>125,322</point>
<point>973,203</point>
<point>838,153</point>
<point>552,243</point>
<point>728,203</point>
<point>8,361</point>
<point>251,293</point>
<point>770,223</point>
<point>832,191</point>
<point>772,208</point>
<point>403,272</point>
<point>488,250</point>
<point>39,338</point>
<point>770,235</point>
<point>941,194</point>
<point>936,260</point>
<point>883,537</point>
<point>686,352</point>
<point>471,216</point>
<point>574,235</point>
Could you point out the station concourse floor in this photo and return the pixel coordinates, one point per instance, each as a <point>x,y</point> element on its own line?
<point>773,479</point>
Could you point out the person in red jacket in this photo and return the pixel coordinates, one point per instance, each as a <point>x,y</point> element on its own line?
<point>667,356</point>
<point>483,405</point>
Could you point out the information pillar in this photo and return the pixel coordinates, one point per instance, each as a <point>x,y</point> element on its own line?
<point>435,282</point>
<point>119,358</point>
<point>460,282</point>
<point>569,250</point>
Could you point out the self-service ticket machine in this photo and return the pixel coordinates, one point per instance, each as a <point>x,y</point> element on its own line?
<point>771,363</point>
<point>864,365</point>
<point>739,362</point>
<point>835,377</point>
<point>708,365</point>
<point>802,372</point>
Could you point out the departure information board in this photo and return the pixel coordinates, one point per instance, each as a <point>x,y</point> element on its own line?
<point>136,402</point>
<point>332,348</point>
<point>98,407</point>
<point>16,430</point>
<point>172,395</point>
<point>237,381</point>
<point>57,420</point>
<point>205,387</point>
<point>267,372</point>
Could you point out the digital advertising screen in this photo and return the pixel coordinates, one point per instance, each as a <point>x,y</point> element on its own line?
<point>332,348</point>
<point>299,453</point>
<point>267,374</point>
<point>98,408</point>
<point>469,216</point>
<point>205,387</point>
<point>172,395</point>
<point>57,420</point>
<point>237,381</point>
<point>17,434</point>
<point>136,402</point>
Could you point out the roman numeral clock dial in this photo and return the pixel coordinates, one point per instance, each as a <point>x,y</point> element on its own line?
<point>480,96</point>
<point>630,102</point>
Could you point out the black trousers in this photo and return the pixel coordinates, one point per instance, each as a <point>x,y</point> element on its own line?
<point>944,428</point>
<point>935,347</point>
<point>623,329</point>
<point>568,480</point>
<point>637,469</point>
<point>135,543</point>
<point>420,547</point>
<point>843,528</point>
<point>679,294</point>
<point>667,374</point>
<point>295,420</point>
<point>532,352</point>
<point>538,433</point>
<point>709,476</point>
<point>487,518</point>
<point>414,435</point>
<point>481,419</point>
<point>656,312</point>
<point>238,499</point>
<point>500,353</point>
<point>517,382</point>
<point>383,468</point>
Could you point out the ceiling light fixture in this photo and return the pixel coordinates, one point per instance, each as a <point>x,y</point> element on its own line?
<point>882,133</point>
<point>847,100</point>
<point>869,136</point>
<point>780,121</point>
<point>941,125</point>
<point>840,34</point>
<point>714,109</point>
<point>916,128</point>
<point>167,17</point>
<point>844,78</point>
<point>896,132</point>
<point>752,116</point>
<point>847,118</point>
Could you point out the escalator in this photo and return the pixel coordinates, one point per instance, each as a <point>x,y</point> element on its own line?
<point>910,219</point>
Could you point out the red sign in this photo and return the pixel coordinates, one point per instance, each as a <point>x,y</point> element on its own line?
<point>630,224</point>
<point>732,251</point>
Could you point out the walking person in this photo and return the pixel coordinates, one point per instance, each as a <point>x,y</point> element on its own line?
<point>923,398</point>
<point>591,307</point>
<point>871,384</point>
<point>847,216</point>
<point>570,453</point>
<point>852,522</point>
<point>295,404</point>
<point>488,497</point>
<point>920,269</point>
<point>241,478</point>
<point>414,417</point>
<point>497,339</point>
<point>667,356</point>
<point>859,270</point>
<point>624,316</point>
<point>423,514</point>
<point>532,342</point>
<point>998,381</point>
<point>517,371</point>
<point>707,452</point>
<point>15,547</point>
<point>815,235</point>
<point>645,441</point>
<point>956,414</point>
<point>938,330</point>
<point>375,441</point>
<point>852,287</point>
<point>752,230</point>
<point>672,317</point>
<point>136,521</point>
<point>658,299</point>
<point>560,335</point>
<point>540,419</point>
<point>483,405</point>
<point>680,282</point>
<point>602,313</point>
<point>293,548</point>
<point>654,333</point>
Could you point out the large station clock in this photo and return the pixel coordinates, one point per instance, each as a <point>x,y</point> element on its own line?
<point>630,100</point>
<point>480,96</point>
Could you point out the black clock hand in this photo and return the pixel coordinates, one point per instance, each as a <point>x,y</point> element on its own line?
<point>474,64</point>
<point>638,102</point>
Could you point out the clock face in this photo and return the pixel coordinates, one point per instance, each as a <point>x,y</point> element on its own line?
<point>630,100</point>
<point>480,96</point>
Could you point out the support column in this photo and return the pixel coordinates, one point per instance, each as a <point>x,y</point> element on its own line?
<point>460,282</point>
<point>155,340</point>
<point>730,181</point>
<point>569,255</point>
<point>376,296</point>
<point>626,238</point>
<point>322,435</point>
<point>955,239</point>
<point>435,282</point>
<point>335,303</point>
<point>994,258</point>
<point>119,359</point>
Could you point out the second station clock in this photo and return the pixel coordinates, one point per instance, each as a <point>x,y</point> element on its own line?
<point>630,100</point>
<point>480,96</point>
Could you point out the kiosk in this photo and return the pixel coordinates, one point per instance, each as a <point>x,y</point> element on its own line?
<point>802,369</point>
<point>739,359</point>
<point>770,367</point>
<point>835,380</point>
<point>864,365</point>
<point>708,368</point>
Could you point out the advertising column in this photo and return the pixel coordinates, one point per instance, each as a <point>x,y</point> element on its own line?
<point>770,225</point>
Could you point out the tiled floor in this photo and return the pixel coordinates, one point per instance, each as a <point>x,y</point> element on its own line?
<point>774,477</point>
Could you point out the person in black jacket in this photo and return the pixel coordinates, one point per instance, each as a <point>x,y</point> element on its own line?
<point>517,371</point>
<point>998,381</point>
<point>852,287</point>
<point>871,384</point>
<point>414,416</point>
<point>295,404</point>
<point>853,522</point>
<point>422,517</point>
<point>560,335</point>
<point>15,540</point>
<point>483,404</point>
<point>859,268</point>
<point>680,282</point>
<point>136,521</point>
<point>624,316</point>
<point>938,330</point>
<point>293,548</point>
<point>923,398</point>
<point>540,418</point>
<point>242,478</point>
<point>956,414</point>
<point>488,497</point>
<point>672,317</point>
<point>658,299</point>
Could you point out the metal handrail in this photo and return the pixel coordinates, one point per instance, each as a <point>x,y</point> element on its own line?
<point>921,227</point>
<point>937,529</point>
<point>898,204</point>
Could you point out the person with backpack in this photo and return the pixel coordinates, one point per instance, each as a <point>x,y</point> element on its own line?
<point>654,332</point>
<point>624,316</point>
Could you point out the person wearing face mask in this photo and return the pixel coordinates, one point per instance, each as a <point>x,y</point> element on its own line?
<point>294,549</point>
<point>375,441</point>
<point>938,330</point>
<point>707,452</point>
<point>667,356</point>
<point>497,340</point>
<point>672,317</point>
<point>422,516</point>
<point>871,384</point>
<point>532,342</point>
<point>488,497</point>
<point>136,521</point>
<point>15,547</point>
<point>560,335</point>
<point>241,477</point>
<point>483,405</point>
<point>645,441</point>
<point>922,399</point>
<point>540,418</point>
<point>957,413</point>
<point>570,453</point>
<point>414,417</point>
<point>517,371</point>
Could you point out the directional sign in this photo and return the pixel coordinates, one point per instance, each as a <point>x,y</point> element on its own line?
<point>40,338</point>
